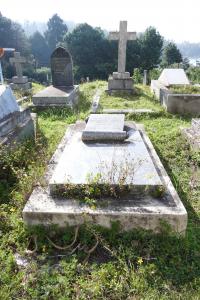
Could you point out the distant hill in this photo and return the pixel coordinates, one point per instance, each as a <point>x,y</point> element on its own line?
<point>190,50</point>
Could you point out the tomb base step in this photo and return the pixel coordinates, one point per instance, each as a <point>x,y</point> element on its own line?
<point>146,213</point>
<point>54,96</point>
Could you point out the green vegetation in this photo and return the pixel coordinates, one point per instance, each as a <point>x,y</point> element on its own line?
<point>142,98</point>
<point>92,262</point>
<point>186,89</point>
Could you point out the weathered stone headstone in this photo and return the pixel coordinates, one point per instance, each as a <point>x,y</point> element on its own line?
<point>19,81</point>
<point>61,68</point>
<point>121,81</point>
<point>129,183</point>
<point>62,92</point>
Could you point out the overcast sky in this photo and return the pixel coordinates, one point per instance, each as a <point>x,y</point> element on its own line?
<point>177,20</point>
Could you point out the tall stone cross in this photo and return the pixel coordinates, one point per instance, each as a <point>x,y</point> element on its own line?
<point>123,36</point>
<point>17,60</point>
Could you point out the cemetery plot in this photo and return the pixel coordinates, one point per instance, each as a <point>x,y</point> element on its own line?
<point>149,198</point>
<point>175,93</point>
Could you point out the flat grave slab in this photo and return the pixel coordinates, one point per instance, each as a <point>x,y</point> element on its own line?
<point>104,127</point>
<point>118,164</point>
<point>135,211</point>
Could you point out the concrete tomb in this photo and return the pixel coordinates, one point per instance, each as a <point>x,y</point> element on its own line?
<point>131,185</point>
<point>62,92</point>
<point>192,134</point>
<point>121,80</point>
<point>184,104</point>
<point>19,81</point>
<point>170,77</point>
<point>15,122</point>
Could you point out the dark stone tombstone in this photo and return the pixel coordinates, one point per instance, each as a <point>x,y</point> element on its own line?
<point>61,68</point>
<point>62,92</point>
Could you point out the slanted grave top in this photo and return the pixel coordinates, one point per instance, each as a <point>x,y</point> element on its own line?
<point>61,68</point>
<point>173,76</point>
<point>123,36</point>
<point>118,164</point>
<point>8,103</point>
<point>104,127</point>
<point>17,60</point>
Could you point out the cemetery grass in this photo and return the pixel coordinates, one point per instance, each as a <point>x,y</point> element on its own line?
<point>141,99</point>
<point>132,265</point>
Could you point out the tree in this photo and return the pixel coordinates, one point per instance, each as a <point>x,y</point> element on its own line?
<point>55,32</point>
<point>40,49</point>
<point>171,55</point>
<point>12,36</point>
<point>151,43</point>
<point>91,51</point>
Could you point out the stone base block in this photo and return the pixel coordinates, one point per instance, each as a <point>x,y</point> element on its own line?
<point>21,86</point>
<point>20,80</point>
<point>120,85</point>
<point>145,211</point>
<point>54,96</point>
<point>117,75</point>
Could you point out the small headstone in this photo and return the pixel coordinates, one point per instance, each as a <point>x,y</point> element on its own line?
<point>62,92</point>
<point>173,77</point>
<point>19,81</point>
<point>61,68</point>
<point>104,127</point>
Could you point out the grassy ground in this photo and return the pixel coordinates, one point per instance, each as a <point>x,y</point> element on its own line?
<point>141,99</point>
<point>132,265</point>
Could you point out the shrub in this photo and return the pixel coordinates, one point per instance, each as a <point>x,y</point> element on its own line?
<point>186,89</point>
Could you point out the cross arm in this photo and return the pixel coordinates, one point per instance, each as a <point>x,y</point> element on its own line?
<point>114,35</point>
<point>131,36</point>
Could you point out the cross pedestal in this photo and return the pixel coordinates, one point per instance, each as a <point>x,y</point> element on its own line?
<point>19,81</point>
<point>121,81</point>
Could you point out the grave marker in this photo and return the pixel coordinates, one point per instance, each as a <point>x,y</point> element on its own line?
<point>62,92</point>
<point>121,81</point>
<point>19,81</point>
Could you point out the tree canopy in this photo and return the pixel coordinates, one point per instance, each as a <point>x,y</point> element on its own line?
<point>92,53</point>
<point>40,49</point>
<point>55,31</point>
<point>12,36</point>
<point>151,43</point>
<point>171,55</point>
